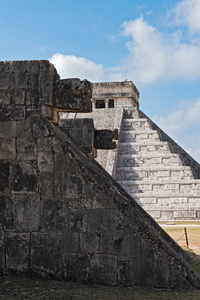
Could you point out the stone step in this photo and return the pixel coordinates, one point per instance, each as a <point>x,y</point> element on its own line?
<point>176,197</point>
<point>137,136</point>
<point>135,124</point>
<point>144,148</point>
<point>141,186</point>
<point>187,213</point>
<point>153,173</point>
<point>134,160</point>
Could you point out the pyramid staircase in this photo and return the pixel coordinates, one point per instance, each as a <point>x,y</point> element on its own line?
<point>155,171</point>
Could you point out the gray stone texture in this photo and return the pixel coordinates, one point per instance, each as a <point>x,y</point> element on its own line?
<point>62,215</point>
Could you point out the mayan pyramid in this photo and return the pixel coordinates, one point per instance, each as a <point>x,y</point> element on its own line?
<point>149,165</point>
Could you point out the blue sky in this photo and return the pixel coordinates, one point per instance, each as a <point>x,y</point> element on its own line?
<point>156,44</point>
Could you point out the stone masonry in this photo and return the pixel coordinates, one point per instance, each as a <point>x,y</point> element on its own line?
<point>62,215</point>
<point>151,167</point>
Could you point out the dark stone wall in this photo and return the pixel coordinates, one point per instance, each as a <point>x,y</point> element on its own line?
<point>63,216</point>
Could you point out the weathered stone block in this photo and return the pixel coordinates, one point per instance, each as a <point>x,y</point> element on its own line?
<point>81,132</point>
<point>32,81</point>
<point>2,252</point>
<point>7,148</point>
<point>12,113</point>
<point>27,212</point>
<point>122,245</point>
<point>23,128</point>
<point>32,98</point>
<point>125,272</point>
<point>72,186</point>
<point>77,220</point>
<point>44,144</point>
<point>73,95</point>
<point>33,66</point>
<point>89,242</point>
<point>54,215</point>
<point>26,148</point>
<point>4,80</point>
<point>46,253</point>
<point>71,242</point>
<point>7,211</point>
<point>46,185</point>
<point>4,176</point>
<point>5,97</point>
<point>103,269</point>
<point>5,66</point>
<point>17,252</point>
<point>71,272</point>
<point>24,177</point>
<point>18,97</point>
<point>19,66</point>
<point>45,161</point>
<point>18,80</point>
<point>8,129</point>
<point>98,220</point>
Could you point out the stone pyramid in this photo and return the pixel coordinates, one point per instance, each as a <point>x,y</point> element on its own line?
<point>148,164</point>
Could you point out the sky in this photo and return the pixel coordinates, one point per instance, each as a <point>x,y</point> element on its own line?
<point>156,44</point>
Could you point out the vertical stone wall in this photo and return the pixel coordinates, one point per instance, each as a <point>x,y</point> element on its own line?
<point>62,215</point>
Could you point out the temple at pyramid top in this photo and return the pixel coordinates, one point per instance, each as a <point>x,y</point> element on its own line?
<point>113,94</point>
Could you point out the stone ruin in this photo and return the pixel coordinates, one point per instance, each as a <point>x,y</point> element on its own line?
<point>62,214</point>
<point>152,168</point>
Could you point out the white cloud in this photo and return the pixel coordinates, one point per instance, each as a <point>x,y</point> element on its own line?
<point>187,12</point>
<point>155,56</point>
<point>70,66</point>
<point>183,125</point>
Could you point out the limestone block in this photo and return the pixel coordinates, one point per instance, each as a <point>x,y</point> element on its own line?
<point>2,252</point>
<point>71,272</point>
<point>32,99</point>
<point>54,215</point>
<point>12,113</point>
<point>17,252</point>
<point>24,177</point>
<point>23,128</point>
<point>26,148</point>
<point>77,220</point>
<point>125,272</point>
<point>4,80</point>
<point>81,132</point>
<point>73,95</point>
<point>7,148</point>
<point>32,80</point>
<point>46,253</point>
<point>5,97</point>
<point>89,242</point>
<point>185,214</point>
<point>5,66</point>
<point>4,176</point>
<point>7,211</point>
<point>18,80</point>
<point>33,66</point>
<point>27,212</point>
<point>103,269</point>
<point>45,161</point>
<point>46,185</point>
<point>19,66</point>
<point>148,201</point>
<point>8,129</point>
<point>18,96</point>
<point>71,242</point>
<point>167,215</point>
<point>72,186</point>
